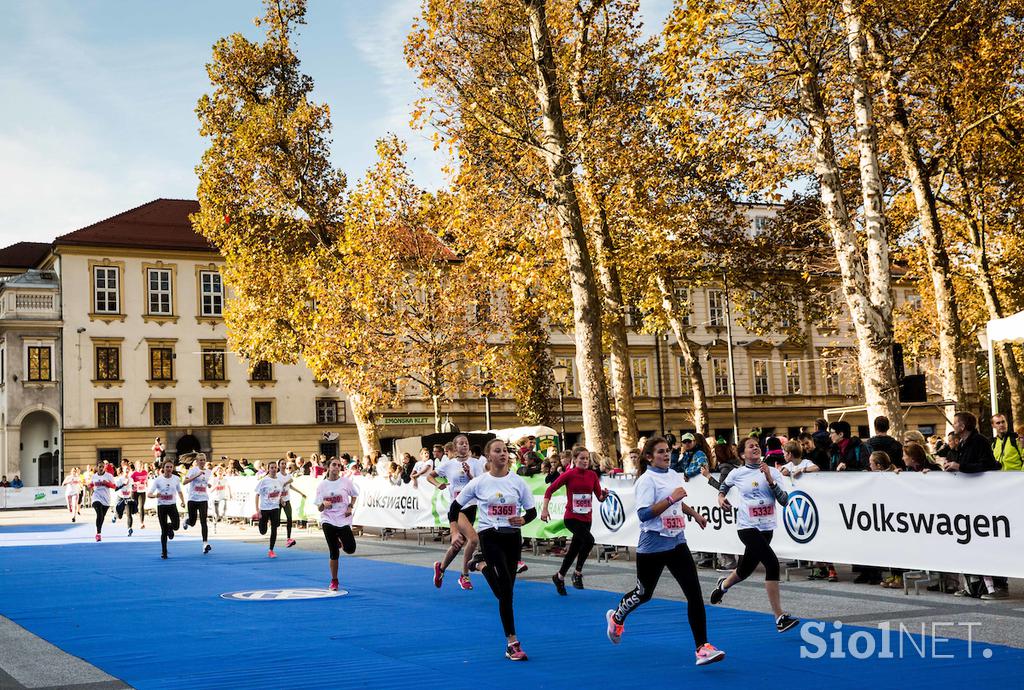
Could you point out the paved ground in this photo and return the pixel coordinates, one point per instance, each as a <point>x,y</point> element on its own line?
<point>27,661</point>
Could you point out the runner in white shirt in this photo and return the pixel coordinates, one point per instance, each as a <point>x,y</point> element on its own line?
<point>198,482</point>
<point>164,487</point>
<point>796,464</point>
<point>268,504</point>
<point>423,466</point>
<point>506,504</point>
<point>757,490</point>
<point>286,500</point>
<point>72,492</point>
<point>457,473</point>
<point>125,502</point>
<point>220,493</point>
<point>101,483</point>
<point>336,499</point>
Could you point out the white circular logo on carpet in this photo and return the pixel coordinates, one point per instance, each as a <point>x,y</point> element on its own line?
<point>283,594</point>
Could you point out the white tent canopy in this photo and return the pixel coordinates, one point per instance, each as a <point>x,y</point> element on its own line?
<point>1005,330</point>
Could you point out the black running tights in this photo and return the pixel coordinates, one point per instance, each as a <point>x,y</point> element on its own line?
<point>758,550</point>
<point>169,521</point>
<point>579,549</point>
<point>502,550</point>
<point>273,518</point>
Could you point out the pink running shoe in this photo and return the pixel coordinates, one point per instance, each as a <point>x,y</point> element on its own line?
<point>438,574</point>
<point>615,630</point>
<point>99,538</point>
<point>290,543</point>
<point>514,652</point>
<point>465,582</point>
<point>333,586</point>
<point>521,567</point>
<point>271,554</point>
<point>707,654</point>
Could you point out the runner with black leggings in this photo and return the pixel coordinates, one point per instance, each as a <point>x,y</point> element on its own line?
<point>101,483</point>
<point>164,487</point>
<point>268,504</point>
<point>198,482</point>
<point>505,504</point>
<point>581,485</point>
<point>757,486</point>
<point>286,499</point>
<point>336,499</point>
<point>659,495</point>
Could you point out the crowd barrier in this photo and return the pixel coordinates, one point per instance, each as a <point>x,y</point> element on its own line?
<point>935,521</point>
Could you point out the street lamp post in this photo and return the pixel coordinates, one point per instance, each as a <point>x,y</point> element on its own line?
<point>732,367</point>
<point>485,393</point>
<point>560,374</point>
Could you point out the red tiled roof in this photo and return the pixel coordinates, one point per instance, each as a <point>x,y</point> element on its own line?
<point>23,254</point>
<point>159,224</point>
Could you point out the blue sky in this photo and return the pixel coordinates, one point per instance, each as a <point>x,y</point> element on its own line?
<point>98,98</point>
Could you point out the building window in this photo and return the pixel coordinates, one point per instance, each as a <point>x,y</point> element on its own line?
<point>214,413</point>
<point>105,297</point>
<point>720,375</point>
<point>213,364</point>
<point>684,377</point>
<point>263,411</point>
<point>161,413</point>
<point>326,411</point>
<point>792,377</point>
<point>569,387</point>
<point>39,368</point>
<point>263,371</point>
<point>108,415</point>
<point>159,281</point>
<point>108,363</point>
<point>641,382</point>
<point>759,368</point>
<point>716,308</point>
<point>161,364</point>
<point>760,224</point>
<point>211,293</point>
<point>830,371</point>
<point>682,295</point>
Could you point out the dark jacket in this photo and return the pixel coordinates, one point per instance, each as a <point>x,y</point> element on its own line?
<point>855,456</point>
<point>889,446</point>
<point>974,454</point>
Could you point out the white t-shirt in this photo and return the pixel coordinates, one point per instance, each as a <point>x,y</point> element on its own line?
<point>165,488</point>
<point>72,485</point>
<point>453,473</point>
<point>802,465</point>
<point>101,492</point>
<point>269,490</point>
<point>421,466</point>
<point>338,496</point>
<point>653,486</point>
<point>218,488</point>
<point>757,502</point>
<point>285,496</point>
<point>198,488</point>
<point>498,498</point>
<point>124,486</point>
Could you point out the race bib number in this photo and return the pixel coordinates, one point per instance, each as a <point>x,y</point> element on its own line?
<point>581,504</point>
<point>674,522</point>
<point>505,510</point>
<point>762,513</point>
<point>200,488</point>
<point>167,497</point>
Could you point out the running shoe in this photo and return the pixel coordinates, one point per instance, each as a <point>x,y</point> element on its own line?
<point>271,554</point>
<point>207,548</point>
<point>130,531</point>
<point>163,556</point>
<point>719,591</point>
<point>514,652</point>
<point>521,567</point>
<point>785,622</point>
<point>333,586</point>
<point>184,524</point>
<point>170,534</point>
<point>113,519</point>
<point>142,527</point>
<point>709,654</point>
<point>832,576</point>
<point>615,630</point>
<point>99,538</point>
<point>72,518</point>
<point>289,544</point>
<point>559,585</point>
<point>438,574</point>
<point>817,574</point>
<point>577,580</point>
<point>996,595</point>
<point>465,582</point>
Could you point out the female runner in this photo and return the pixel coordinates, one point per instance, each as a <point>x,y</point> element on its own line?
<point>581,484</point>
<point>659,495</point>
<point>220,492</point>
<point>286,499</point>
<point>72,492</point>
<point>457,472</point>
<point>163,488</point>
<point>101,483</point>
<point>500,497</point>
<point>198,482</point>
<point>268,504</point>
<point>125,503</point>
<point>140,482</point>
<point>336,499</point>
<point>758,489</point>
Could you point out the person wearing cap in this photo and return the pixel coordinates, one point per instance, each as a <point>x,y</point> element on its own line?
<point>694,456</point>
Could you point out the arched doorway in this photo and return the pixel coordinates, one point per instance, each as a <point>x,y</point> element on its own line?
<point>39,465</point>
<point>187,444</point>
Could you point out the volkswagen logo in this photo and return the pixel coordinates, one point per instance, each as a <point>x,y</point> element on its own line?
<point>283,594</point>
<point>612,513</point>
<point>800,517</point>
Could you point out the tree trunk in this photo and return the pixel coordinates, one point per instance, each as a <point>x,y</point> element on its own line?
<point>946,308</point>
<point>366,425</point>
<point>873,325</point>
<point>436,402</point>
<point>597,423</point>
<point>876,230</point>
<point>701,419</point>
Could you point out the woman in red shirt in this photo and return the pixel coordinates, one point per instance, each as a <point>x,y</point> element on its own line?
<point>581,484</point>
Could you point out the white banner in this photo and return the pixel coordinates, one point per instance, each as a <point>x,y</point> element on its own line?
<point>31,497</point>
<point>936,521</point>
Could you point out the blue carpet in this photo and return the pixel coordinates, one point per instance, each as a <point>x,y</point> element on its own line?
<point>162,624</point>
<point>30,529</point>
